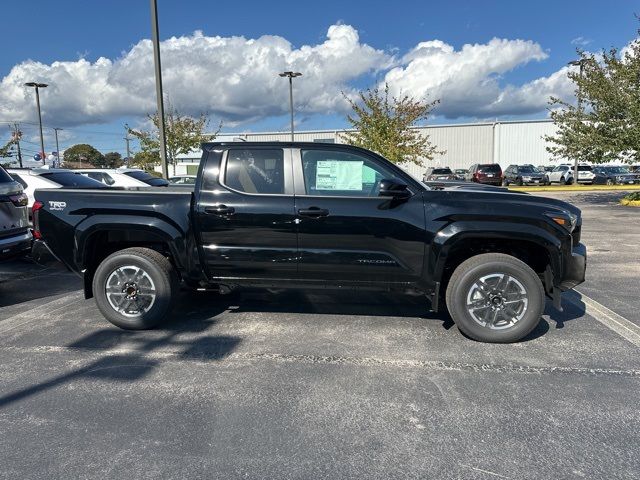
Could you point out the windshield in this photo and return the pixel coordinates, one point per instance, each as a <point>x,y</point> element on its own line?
<point>529,169</point>
<point>148,178</point>
<point>70,179</point>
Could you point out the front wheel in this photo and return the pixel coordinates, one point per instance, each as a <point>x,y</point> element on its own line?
<point>609,181</point>
<point>135,288</point>
<point>495,298</point>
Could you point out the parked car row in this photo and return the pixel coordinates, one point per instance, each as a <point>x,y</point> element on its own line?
<point>492,174</point>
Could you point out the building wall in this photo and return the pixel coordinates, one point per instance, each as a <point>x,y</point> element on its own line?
<point>464,144</point>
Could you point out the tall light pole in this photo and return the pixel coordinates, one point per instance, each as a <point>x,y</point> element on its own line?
<point>159,98</point>
<point>55,129</point>
<point>580,64</point>
<point>291,76</point>
<point>38,86</point>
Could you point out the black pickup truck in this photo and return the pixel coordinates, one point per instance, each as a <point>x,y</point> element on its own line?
<point>309,215</point>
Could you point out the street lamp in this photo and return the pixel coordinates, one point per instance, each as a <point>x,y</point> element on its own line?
<point>37,86</point>
<point>291,76</point>
<point>578,63</point>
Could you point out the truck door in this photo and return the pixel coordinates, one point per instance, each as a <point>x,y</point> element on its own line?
<point>346,231</point>
<point>245,213</point>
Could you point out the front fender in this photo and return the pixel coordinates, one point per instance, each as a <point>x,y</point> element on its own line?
<point>451,235</point>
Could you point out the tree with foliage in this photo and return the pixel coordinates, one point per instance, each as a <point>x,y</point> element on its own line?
<point>83,153</point>
<point>382,123</point>
<point>183,134</point>
<point>604,125</point>
<point>113,160</point>
<point>145,160</point>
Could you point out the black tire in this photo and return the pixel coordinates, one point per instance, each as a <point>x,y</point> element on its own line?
<point>505,182</point>
<point>156,268</point>
<point>464,279</point>
<point>519,182</point>
<point>609,181</point>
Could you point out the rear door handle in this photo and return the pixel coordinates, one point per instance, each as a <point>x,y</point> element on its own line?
<point>313,212</point>
<point>220,210</point>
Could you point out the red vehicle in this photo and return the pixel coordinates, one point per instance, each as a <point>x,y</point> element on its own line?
<point>486,173</point>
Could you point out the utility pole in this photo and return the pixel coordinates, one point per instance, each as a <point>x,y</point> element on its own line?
<point>127,139</point>
<point>38,86</point>
<point>159,98</point>
<point>291,76</point>
<point>17,135</point>
<point>580,65</point>
<point>57,146</point>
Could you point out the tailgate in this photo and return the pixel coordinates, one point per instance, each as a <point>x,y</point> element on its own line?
<point>13,219</point>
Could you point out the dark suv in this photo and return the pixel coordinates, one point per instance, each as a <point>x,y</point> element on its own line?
<point>487,173</point>
<point>523,175</point>
<point>15,236</point>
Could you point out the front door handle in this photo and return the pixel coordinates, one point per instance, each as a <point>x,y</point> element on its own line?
<point>220,210</point>
<point>313,212</point>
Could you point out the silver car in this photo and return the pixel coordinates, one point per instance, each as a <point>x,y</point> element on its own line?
<point>15,236</point>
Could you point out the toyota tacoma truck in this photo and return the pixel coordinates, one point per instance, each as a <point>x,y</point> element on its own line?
<point>309,215</point>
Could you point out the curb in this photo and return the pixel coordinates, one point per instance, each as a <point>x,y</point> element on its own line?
<point>585,188</point>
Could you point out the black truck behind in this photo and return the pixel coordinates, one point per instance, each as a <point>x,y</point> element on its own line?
<point>308,215</point>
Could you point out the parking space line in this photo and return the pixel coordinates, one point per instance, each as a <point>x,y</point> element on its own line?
<point>610,319</point>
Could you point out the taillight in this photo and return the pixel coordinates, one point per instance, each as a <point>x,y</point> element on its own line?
<point>19,200</point>
<point>36,221</point>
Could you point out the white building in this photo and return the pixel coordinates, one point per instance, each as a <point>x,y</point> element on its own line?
<point>505,142</point>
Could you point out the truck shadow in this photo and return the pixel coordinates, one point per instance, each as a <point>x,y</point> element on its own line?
<point>128,356</point>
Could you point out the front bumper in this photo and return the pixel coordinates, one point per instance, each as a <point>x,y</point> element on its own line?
<point>575,268</point>
<point>15,245</point>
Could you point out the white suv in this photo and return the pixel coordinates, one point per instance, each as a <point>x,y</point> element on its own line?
<point>111,177</point>
<point>564,174</point>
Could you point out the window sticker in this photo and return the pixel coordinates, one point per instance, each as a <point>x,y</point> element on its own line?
<point>368,175</point>
<point>339,175</point>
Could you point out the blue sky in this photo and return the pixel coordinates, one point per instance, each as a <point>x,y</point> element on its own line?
<point>386,34</point>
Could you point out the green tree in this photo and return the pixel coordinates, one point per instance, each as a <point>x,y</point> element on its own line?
<point>604,125</point>
<point>113,160</point>
<point>183,134</point>
<point>145,160</point>
<point>382,123</point>
<point>83,153</point>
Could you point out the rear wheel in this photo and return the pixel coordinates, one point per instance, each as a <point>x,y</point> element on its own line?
<point>505,182</point>
<point>495,298</point>
<point>519,182</point>
<point>609,181</point>
<point>135,288</point>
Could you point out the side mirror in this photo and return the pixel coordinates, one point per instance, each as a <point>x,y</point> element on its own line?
<point>395,189</point>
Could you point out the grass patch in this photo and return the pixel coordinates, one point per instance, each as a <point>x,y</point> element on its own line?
<point>631,200</point>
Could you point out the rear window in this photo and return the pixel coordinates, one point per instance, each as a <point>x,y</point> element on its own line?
<point>441,171</point>
<point>4,176</point>
<point>584,168</point>
<point>70,179</point>
<point>493,168</point>
<point>528,169</point>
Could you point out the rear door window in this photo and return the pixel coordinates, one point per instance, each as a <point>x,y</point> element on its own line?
<point>257,171</point>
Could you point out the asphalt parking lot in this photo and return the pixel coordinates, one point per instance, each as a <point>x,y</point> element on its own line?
<point>311,385</point>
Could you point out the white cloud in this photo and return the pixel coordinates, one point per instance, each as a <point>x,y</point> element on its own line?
<point>468,81</point>
<point>235,78</point>
<point>580,41</point>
